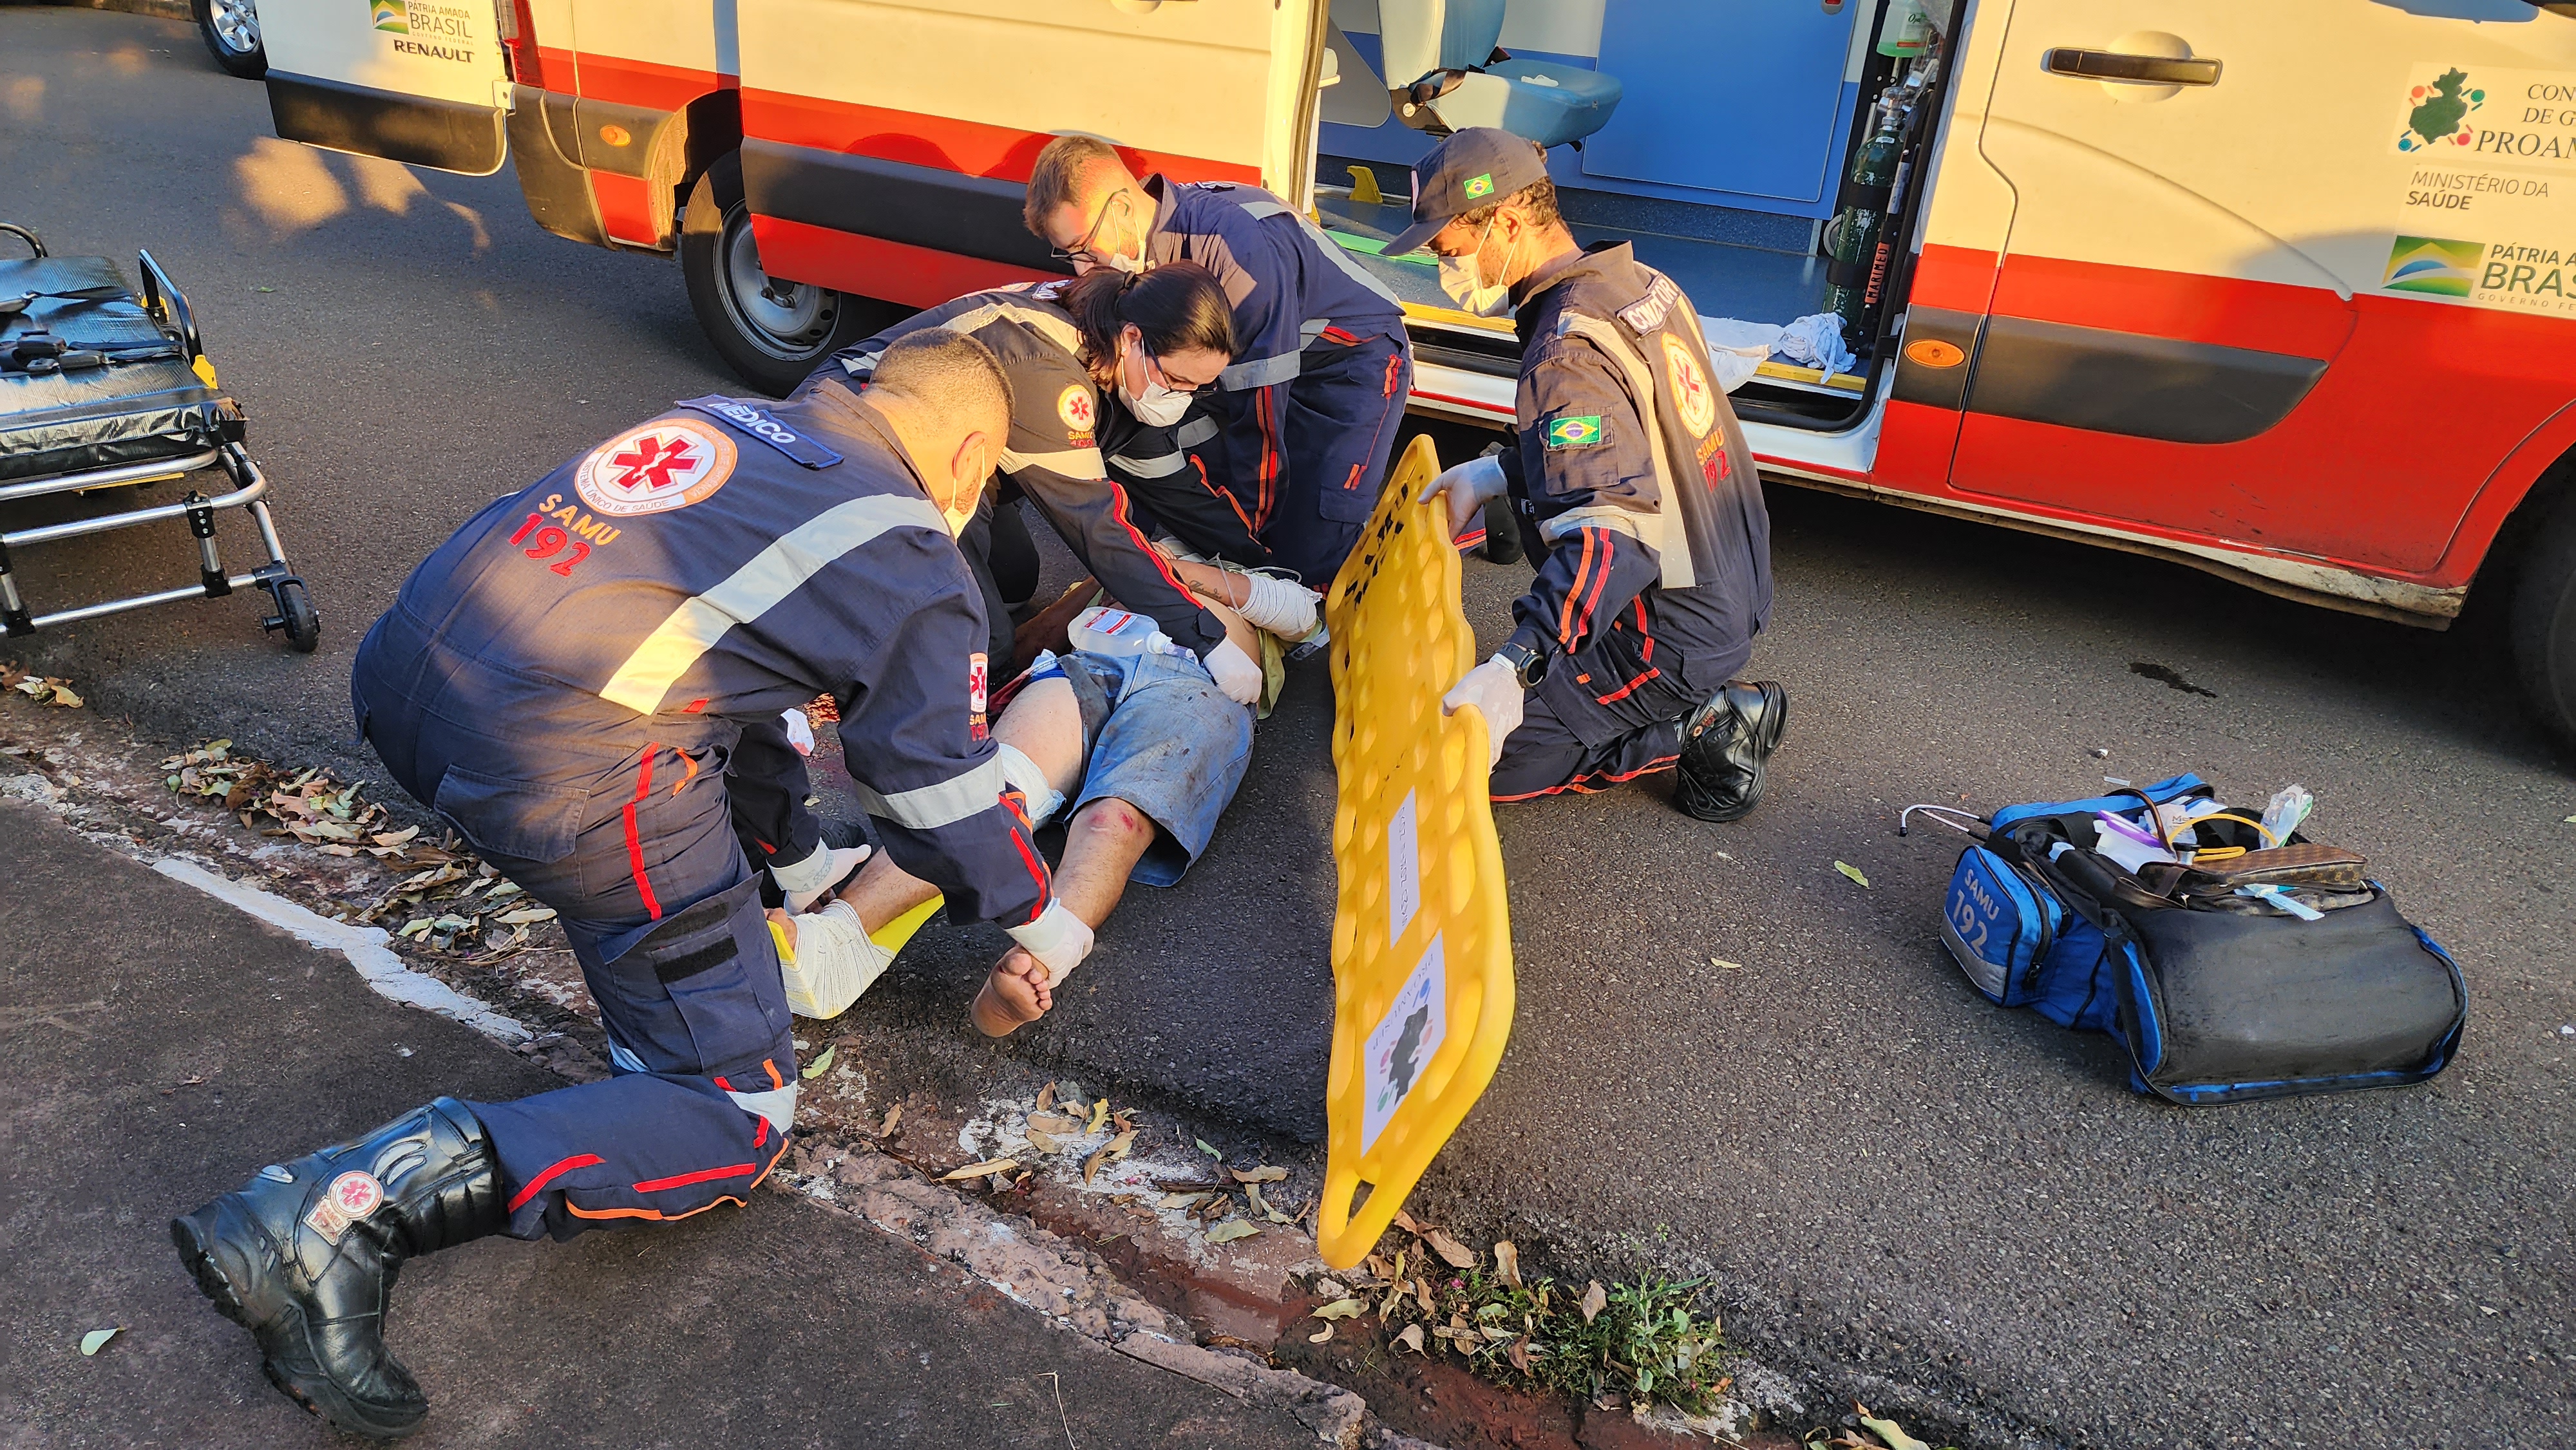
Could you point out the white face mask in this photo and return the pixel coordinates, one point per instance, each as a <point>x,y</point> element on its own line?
<point>961,510</point>
<point>1463,278</point>
<point>1157,405</point>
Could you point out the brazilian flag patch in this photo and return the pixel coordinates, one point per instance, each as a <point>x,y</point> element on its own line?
<point>1573,432</point>
<point>1479,185</point>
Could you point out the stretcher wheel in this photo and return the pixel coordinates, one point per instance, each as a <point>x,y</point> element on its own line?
<point>295,615</point>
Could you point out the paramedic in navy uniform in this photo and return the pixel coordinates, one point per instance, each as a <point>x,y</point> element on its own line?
<point>585,682</point>
<point>1636,497</point>
<point>1304,420</point>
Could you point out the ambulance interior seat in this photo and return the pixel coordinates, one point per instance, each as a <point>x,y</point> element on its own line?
<point>1445,72</point>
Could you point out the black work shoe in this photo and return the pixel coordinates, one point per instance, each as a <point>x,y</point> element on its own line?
<point>304,1256</point>
<point>1725,743</point>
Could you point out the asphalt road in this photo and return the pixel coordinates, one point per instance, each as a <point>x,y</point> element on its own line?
<point>1937,1203</point>
<point>171,1044</point>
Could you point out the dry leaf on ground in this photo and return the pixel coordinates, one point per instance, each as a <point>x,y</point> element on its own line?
<point>1043,1141</point>
<point>1099,1116</point>
<point>1230,1230</point>
<point>1259,1175</point>
<point>1055,1123</point>
<point>979,1170</point>
<point>1458,1255</point>
<point>1852,871</point>
<point>1888,1430</point>
<point>1507,1262</point>
<point>1320,1335</point>
<point>822,1062</point>
<point>1594,1300</point>
<point>1411,1338</point>
<point>1405,1222</point>
<point>1340,1309</point>
<point>1046,1099</point>
<point>893,1116</point>
<point>1114,1149</point>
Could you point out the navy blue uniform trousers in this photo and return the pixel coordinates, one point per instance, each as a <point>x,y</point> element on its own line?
<point>639,845</point>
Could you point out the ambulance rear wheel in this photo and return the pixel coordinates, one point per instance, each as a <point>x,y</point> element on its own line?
<point>2544,622</point>
<point>770,331</point>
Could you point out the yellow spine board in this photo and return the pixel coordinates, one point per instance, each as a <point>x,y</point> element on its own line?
<point>1422,947</point>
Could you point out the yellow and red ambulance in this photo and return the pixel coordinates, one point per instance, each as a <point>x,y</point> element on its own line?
<point>2284,292</point>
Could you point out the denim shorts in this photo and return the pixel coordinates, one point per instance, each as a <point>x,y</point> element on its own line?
<point>1158,734</point>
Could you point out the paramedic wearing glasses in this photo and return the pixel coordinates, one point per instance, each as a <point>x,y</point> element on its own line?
<point>1299,433</point>
<point>1636,497</point>
<point>585,682</point>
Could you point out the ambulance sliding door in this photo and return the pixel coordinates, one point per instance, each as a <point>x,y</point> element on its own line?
<point>887,143</point>
<point>2202,326</point>
<point>416,81</point>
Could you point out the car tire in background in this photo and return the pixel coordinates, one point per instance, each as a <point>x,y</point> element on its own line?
<point>2544,621</point>
<point>771,332</point>
<point>231,31</point>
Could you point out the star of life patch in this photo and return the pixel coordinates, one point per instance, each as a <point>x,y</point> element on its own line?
<point>665,464</point>
<point>1648,312</point>
<point>1692,395</point>
<point>1573,432</point>
<point>978,678</point>
<point>351,1196</point>
<point>1075,407</point>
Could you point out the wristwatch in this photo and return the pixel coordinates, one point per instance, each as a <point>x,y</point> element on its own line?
<point>1528,665</point>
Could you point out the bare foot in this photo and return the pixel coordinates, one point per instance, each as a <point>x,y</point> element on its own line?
<point>1015,995</point>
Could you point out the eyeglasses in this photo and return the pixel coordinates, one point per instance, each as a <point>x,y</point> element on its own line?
<point>1154,374</point>
<point>1079,250</point>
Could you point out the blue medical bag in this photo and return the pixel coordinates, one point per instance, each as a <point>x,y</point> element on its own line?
<point>2215,1001</point>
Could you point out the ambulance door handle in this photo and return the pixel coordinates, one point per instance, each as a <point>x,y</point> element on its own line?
<point>2119,68</point>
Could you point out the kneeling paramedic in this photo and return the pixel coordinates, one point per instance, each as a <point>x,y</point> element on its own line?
<point>1636,496</point>
<point>583,683</point>
<point>1310,405</point>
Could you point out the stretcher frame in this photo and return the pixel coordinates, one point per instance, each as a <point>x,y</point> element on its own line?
<point>247,490</point>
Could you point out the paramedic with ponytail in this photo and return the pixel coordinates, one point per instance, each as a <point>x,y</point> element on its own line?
<point>1636,498</point>
<point>1083,360</point>
<point>565,683</point>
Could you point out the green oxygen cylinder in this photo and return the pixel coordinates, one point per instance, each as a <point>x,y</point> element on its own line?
<point>1856,225</point>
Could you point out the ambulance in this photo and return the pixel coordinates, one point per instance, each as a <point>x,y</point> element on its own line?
<point>2285,292</point>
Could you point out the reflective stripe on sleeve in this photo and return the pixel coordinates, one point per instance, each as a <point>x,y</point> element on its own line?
<point>1160,465</point>
<point>1069,462</point>
<point>1263,207</point>
<point>1261,372</point>
<point>772,575</point>
<point>1192,433</point>
<point>932,806</point>
<point>1048,325</point>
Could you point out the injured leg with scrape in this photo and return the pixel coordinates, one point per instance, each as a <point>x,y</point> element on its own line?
<point>1138,754</point>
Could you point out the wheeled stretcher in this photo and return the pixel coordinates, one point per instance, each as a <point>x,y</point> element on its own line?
<point>102,389</point>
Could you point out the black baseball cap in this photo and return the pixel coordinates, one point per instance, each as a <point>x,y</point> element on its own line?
<point>1467,170</point>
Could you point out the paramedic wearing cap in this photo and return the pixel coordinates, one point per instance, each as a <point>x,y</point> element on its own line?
<point>566,682</point>
<point>1635,494</point>
<point>1310,407</point>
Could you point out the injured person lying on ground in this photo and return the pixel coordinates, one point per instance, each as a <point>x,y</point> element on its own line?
<point>1139,753</point>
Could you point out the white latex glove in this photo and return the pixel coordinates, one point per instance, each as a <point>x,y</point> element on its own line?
<point>804,882</point>
<point>1058,939</point>
<point>1495,692</point>
<point>800,730</point>
<point>1235,672</point>
<point>1468,487</point>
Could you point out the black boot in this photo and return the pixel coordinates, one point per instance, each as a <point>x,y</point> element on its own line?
<point>304,1256</point>
<point>1725,743</point>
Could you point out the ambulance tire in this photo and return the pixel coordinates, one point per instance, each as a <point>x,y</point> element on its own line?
<point>770,332</point>
<point>230,29</point>
<point>2544,622</point>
